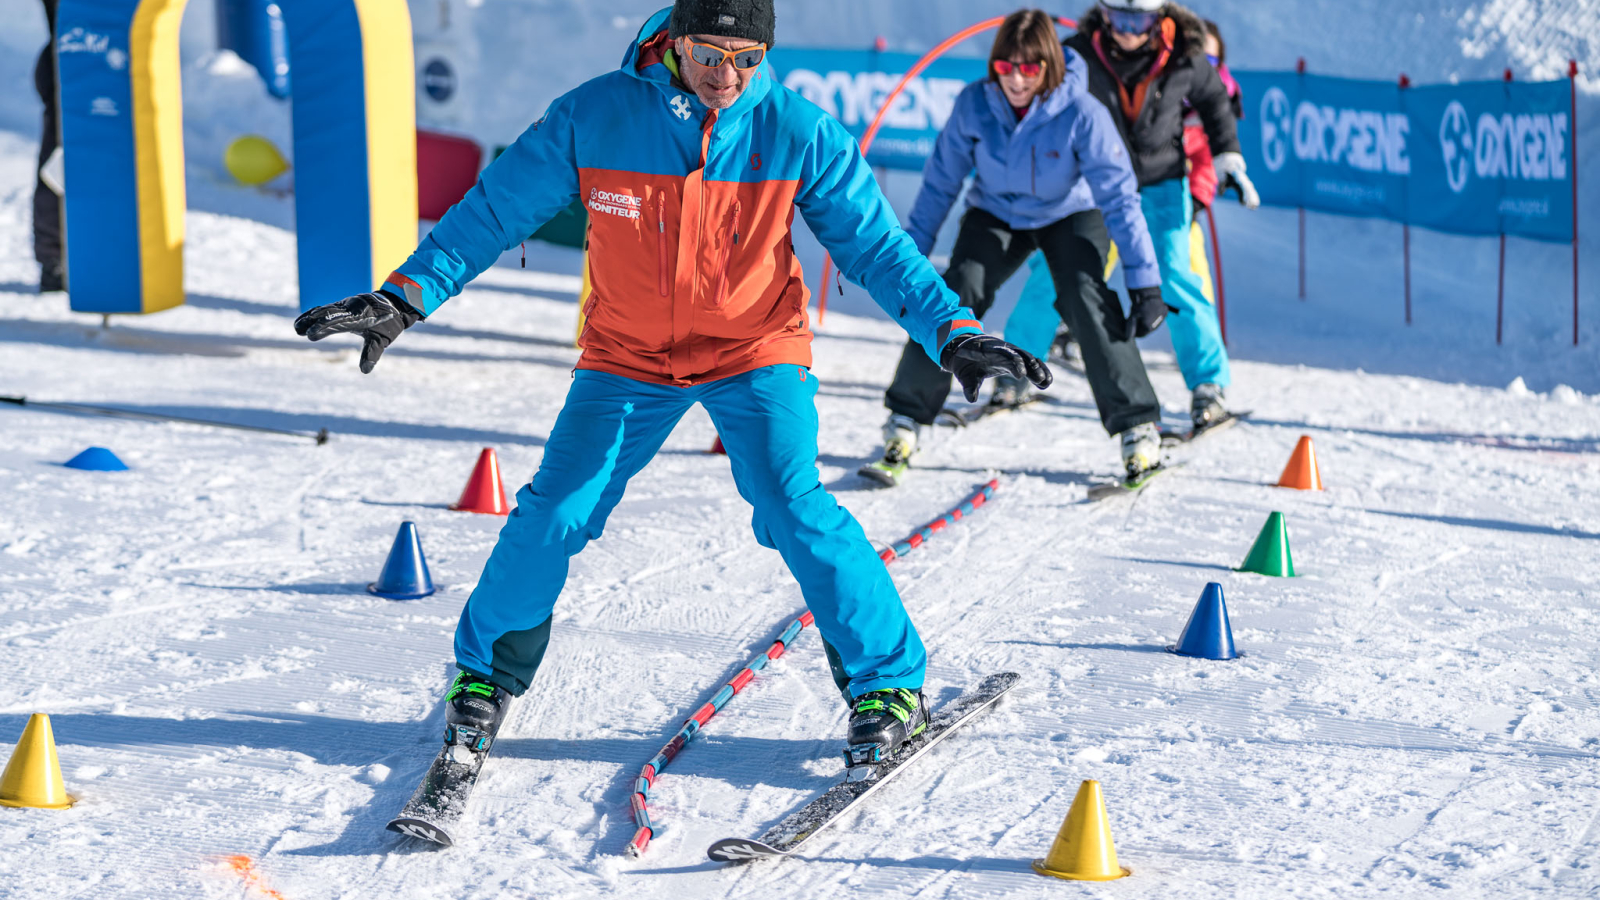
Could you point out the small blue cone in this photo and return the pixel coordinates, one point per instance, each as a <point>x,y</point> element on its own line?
<point>405,573</point>
<point>96,459</point>
<point>1207,634</point>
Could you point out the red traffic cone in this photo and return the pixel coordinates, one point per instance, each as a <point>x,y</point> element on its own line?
<point>484,492</point>
<point>716,447</point>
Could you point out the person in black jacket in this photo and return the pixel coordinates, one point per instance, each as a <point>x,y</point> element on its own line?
<point>1147,65</point>
<point>46,202</point>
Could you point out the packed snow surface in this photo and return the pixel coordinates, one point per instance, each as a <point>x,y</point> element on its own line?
<point>1416,713</point>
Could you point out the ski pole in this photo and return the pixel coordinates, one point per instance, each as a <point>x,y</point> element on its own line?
<point>320,436</point>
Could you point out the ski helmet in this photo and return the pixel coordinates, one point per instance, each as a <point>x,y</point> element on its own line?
<point>1131,16</point>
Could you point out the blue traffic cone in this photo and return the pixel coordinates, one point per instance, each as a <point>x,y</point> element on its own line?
<point>1207,634</point>
<point>96,459</point>
<point>405,573</point>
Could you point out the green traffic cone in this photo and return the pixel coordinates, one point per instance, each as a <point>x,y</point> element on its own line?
<point>1269,555</point>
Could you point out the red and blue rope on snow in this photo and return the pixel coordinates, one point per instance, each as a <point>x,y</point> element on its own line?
<point>691,727</point>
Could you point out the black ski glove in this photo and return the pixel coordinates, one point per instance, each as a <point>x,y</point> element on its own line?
<point>973,357</point>
<point>1149,311</point>
<point>378,318</point>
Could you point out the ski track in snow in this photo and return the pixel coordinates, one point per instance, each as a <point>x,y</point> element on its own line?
<point>1416,714</point>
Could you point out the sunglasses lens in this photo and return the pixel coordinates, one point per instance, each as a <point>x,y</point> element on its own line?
<point>749,59</point>
<point>706,55</point>
<point>1030,70</point>
<point>1002,67</point>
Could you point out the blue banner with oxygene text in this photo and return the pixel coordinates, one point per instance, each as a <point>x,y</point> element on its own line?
<point>1475,158</point>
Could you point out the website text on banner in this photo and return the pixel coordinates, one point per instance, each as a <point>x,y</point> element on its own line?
<point>1480,158</point>
<point>851,85</point>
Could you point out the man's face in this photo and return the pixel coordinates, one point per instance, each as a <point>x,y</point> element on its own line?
<point>717,88</point>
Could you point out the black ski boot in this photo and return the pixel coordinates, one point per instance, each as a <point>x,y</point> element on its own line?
<point>476,709</point>
<point>880,724</point>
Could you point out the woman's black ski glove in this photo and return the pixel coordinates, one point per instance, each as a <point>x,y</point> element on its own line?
<point>1149,311</point>
<point>378,318</point>
<point>973,357</point>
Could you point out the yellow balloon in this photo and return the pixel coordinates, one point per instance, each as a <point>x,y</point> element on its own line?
<point>253,160</point>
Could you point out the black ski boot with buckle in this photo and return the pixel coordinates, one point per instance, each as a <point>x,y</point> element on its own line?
<point>476,708</point>
<point>880,724</point>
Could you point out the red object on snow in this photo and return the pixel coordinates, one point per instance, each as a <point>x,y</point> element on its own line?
<point>716,447</point>
<point>447,167</point>
<point>484,492</point>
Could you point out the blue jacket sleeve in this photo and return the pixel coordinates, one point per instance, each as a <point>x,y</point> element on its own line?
<point>842,204</point>
<point>946,169</point>
<point>533,180</point>
<point>1103,159</point>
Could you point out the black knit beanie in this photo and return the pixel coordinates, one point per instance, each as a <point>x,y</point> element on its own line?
<point>751,20</point>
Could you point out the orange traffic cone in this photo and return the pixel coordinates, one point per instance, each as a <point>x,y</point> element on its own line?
<point>33,776</point>
<point>484,492</point>
<point>1083,850</point>
<point>1302,473</point>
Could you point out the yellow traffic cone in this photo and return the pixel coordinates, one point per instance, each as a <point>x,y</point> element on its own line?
<point>1083,850</point>
<point>33,777</point>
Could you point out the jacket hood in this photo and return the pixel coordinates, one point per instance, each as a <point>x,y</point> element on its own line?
<point>1191,37</point>
<point>644,60</point>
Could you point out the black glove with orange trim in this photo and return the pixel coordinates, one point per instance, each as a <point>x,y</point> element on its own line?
<point>378,317</point>
<point>973,357</point>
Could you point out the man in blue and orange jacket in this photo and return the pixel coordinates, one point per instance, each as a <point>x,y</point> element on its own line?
<point>691,160</point>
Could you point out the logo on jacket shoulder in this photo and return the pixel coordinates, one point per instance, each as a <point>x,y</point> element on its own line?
<point>680,106</point>
<point>624,205</point>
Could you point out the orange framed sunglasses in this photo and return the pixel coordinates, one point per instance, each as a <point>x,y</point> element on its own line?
<point>712,56</point>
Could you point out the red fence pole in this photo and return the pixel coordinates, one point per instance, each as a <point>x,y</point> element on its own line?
<point>1216,272</point>
<point>1406,227</point>
<point>1300,69</point>
<point>1572,75</point>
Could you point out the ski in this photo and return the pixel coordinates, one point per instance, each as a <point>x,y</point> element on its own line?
<point>1129,486</point>
<point>963,417</point>
<point>435,808</point>
<point>800,825</point>
<point>1172,436</point>
<point>884,472</point>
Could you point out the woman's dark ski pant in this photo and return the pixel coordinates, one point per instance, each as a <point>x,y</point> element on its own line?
<point>987,252</point>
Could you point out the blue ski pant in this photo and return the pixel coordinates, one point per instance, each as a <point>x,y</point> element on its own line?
<point>610,427</point>
<point>1196,333</point>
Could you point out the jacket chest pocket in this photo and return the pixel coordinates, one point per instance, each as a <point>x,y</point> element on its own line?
<point>728,240</point>
<point>663,265</point>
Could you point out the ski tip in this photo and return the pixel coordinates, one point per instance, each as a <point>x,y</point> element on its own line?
<point>879,476</point>
<point>733,850</point>
<point>418,828</point>
<point>1000,681</point>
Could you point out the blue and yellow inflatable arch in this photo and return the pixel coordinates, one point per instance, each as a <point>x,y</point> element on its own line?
<point>354,114</point>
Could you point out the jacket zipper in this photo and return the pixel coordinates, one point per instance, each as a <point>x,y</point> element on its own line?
<point>661,239</point>
<point>1033,174</point>
<point>727,260</point>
